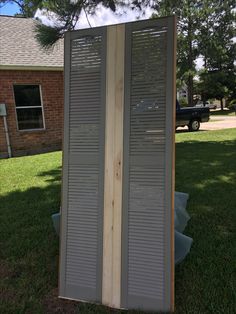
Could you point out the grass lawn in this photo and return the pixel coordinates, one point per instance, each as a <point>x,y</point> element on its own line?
<point>205,281</point>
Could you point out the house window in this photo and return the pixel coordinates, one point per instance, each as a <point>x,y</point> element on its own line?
<point>29,109</point>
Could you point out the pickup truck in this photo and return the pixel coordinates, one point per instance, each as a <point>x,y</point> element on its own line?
<point>207,104</point>
<point>191,116</point>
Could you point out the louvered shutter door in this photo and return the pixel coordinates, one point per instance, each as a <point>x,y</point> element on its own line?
<point>124,259</point>
<point>83,166</point>
<point>148,157</point>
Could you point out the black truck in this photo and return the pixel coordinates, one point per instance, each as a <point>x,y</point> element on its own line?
<point>191,116</point>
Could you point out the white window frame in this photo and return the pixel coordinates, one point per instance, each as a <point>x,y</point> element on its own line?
<point>30,107</point>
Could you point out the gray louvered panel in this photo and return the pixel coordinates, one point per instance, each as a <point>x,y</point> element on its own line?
<point>146,232</point>
<point>144,277</point>
<point>82,226</point>
<point>144,102</point>
<point>86,53</point>
<point>85,164</point>
<point>85,93</point>
<point>95,91</point>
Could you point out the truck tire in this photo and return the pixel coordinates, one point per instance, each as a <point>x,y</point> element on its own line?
<point>194,125</point>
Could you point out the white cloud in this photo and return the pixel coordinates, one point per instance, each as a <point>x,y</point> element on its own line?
<point>46,17</point>
<point>102,16</point>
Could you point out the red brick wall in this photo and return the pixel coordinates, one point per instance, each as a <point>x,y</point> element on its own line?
<point>30,142</point>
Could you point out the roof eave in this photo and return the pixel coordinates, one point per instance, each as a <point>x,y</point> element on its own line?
<point>31,68</point>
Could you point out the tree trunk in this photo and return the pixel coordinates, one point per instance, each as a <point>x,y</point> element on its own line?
<point>190,91</point>
<point>221,104</point>
<point>190,63</point>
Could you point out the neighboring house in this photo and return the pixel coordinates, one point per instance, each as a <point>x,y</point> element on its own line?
<point>182,92</point>
<point>31,86</point>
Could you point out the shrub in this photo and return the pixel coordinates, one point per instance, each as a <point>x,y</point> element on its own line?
<point>183,102</point>
<point>232,105</point>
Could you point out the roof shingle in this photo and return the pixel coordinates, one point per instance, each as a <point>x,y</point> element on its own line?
<point>19,47</point>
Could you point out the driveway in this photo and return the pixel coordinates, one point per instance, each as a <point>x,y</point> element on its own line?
<point>215,123</point>
<point>219,122</point>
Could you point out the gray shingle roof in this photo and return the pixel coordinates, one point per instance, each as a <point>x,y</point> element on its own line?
<point>19,48</point>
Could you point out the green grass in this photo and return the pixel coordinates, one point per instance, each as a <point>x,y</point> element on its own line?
<point>205,281</point>
<point>29,189</point>
<point>206,169</point>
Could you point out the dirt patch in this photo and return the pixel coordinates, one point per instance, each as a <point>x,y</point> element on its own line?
<point>5,270</point>
<point>6,273</point>
<point>7,295</point>
<point>52,304</point>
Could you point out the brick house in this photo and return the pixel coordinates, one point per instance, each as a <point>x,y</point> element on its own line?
<point>31,87</point>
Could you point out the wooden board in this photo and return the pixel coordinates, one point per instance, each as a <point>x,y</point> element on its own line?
<point>113,167</point>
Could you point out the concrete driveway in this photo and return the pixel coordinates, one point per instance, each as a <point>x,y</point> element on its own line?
<point>215,123</point>
<point>219,122</point>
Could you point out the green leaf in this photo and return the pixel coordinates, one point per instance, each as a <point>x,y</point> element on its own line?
<point>47,35</point>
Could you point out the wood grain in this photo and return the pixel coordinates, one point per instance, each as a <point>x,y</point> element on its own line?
<point>113,167</point>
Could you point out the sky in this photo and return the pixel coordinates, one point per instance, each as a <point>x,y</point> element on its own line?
<point>9,9</point>
<point>104,16</point>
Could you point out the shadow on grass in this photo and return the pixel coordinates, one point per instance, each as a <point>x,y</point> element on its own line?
<point>53,175</point>
<point>205,281</point>
<point>225,112</point>
<point>28,248</point>
<point>186,130</point>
